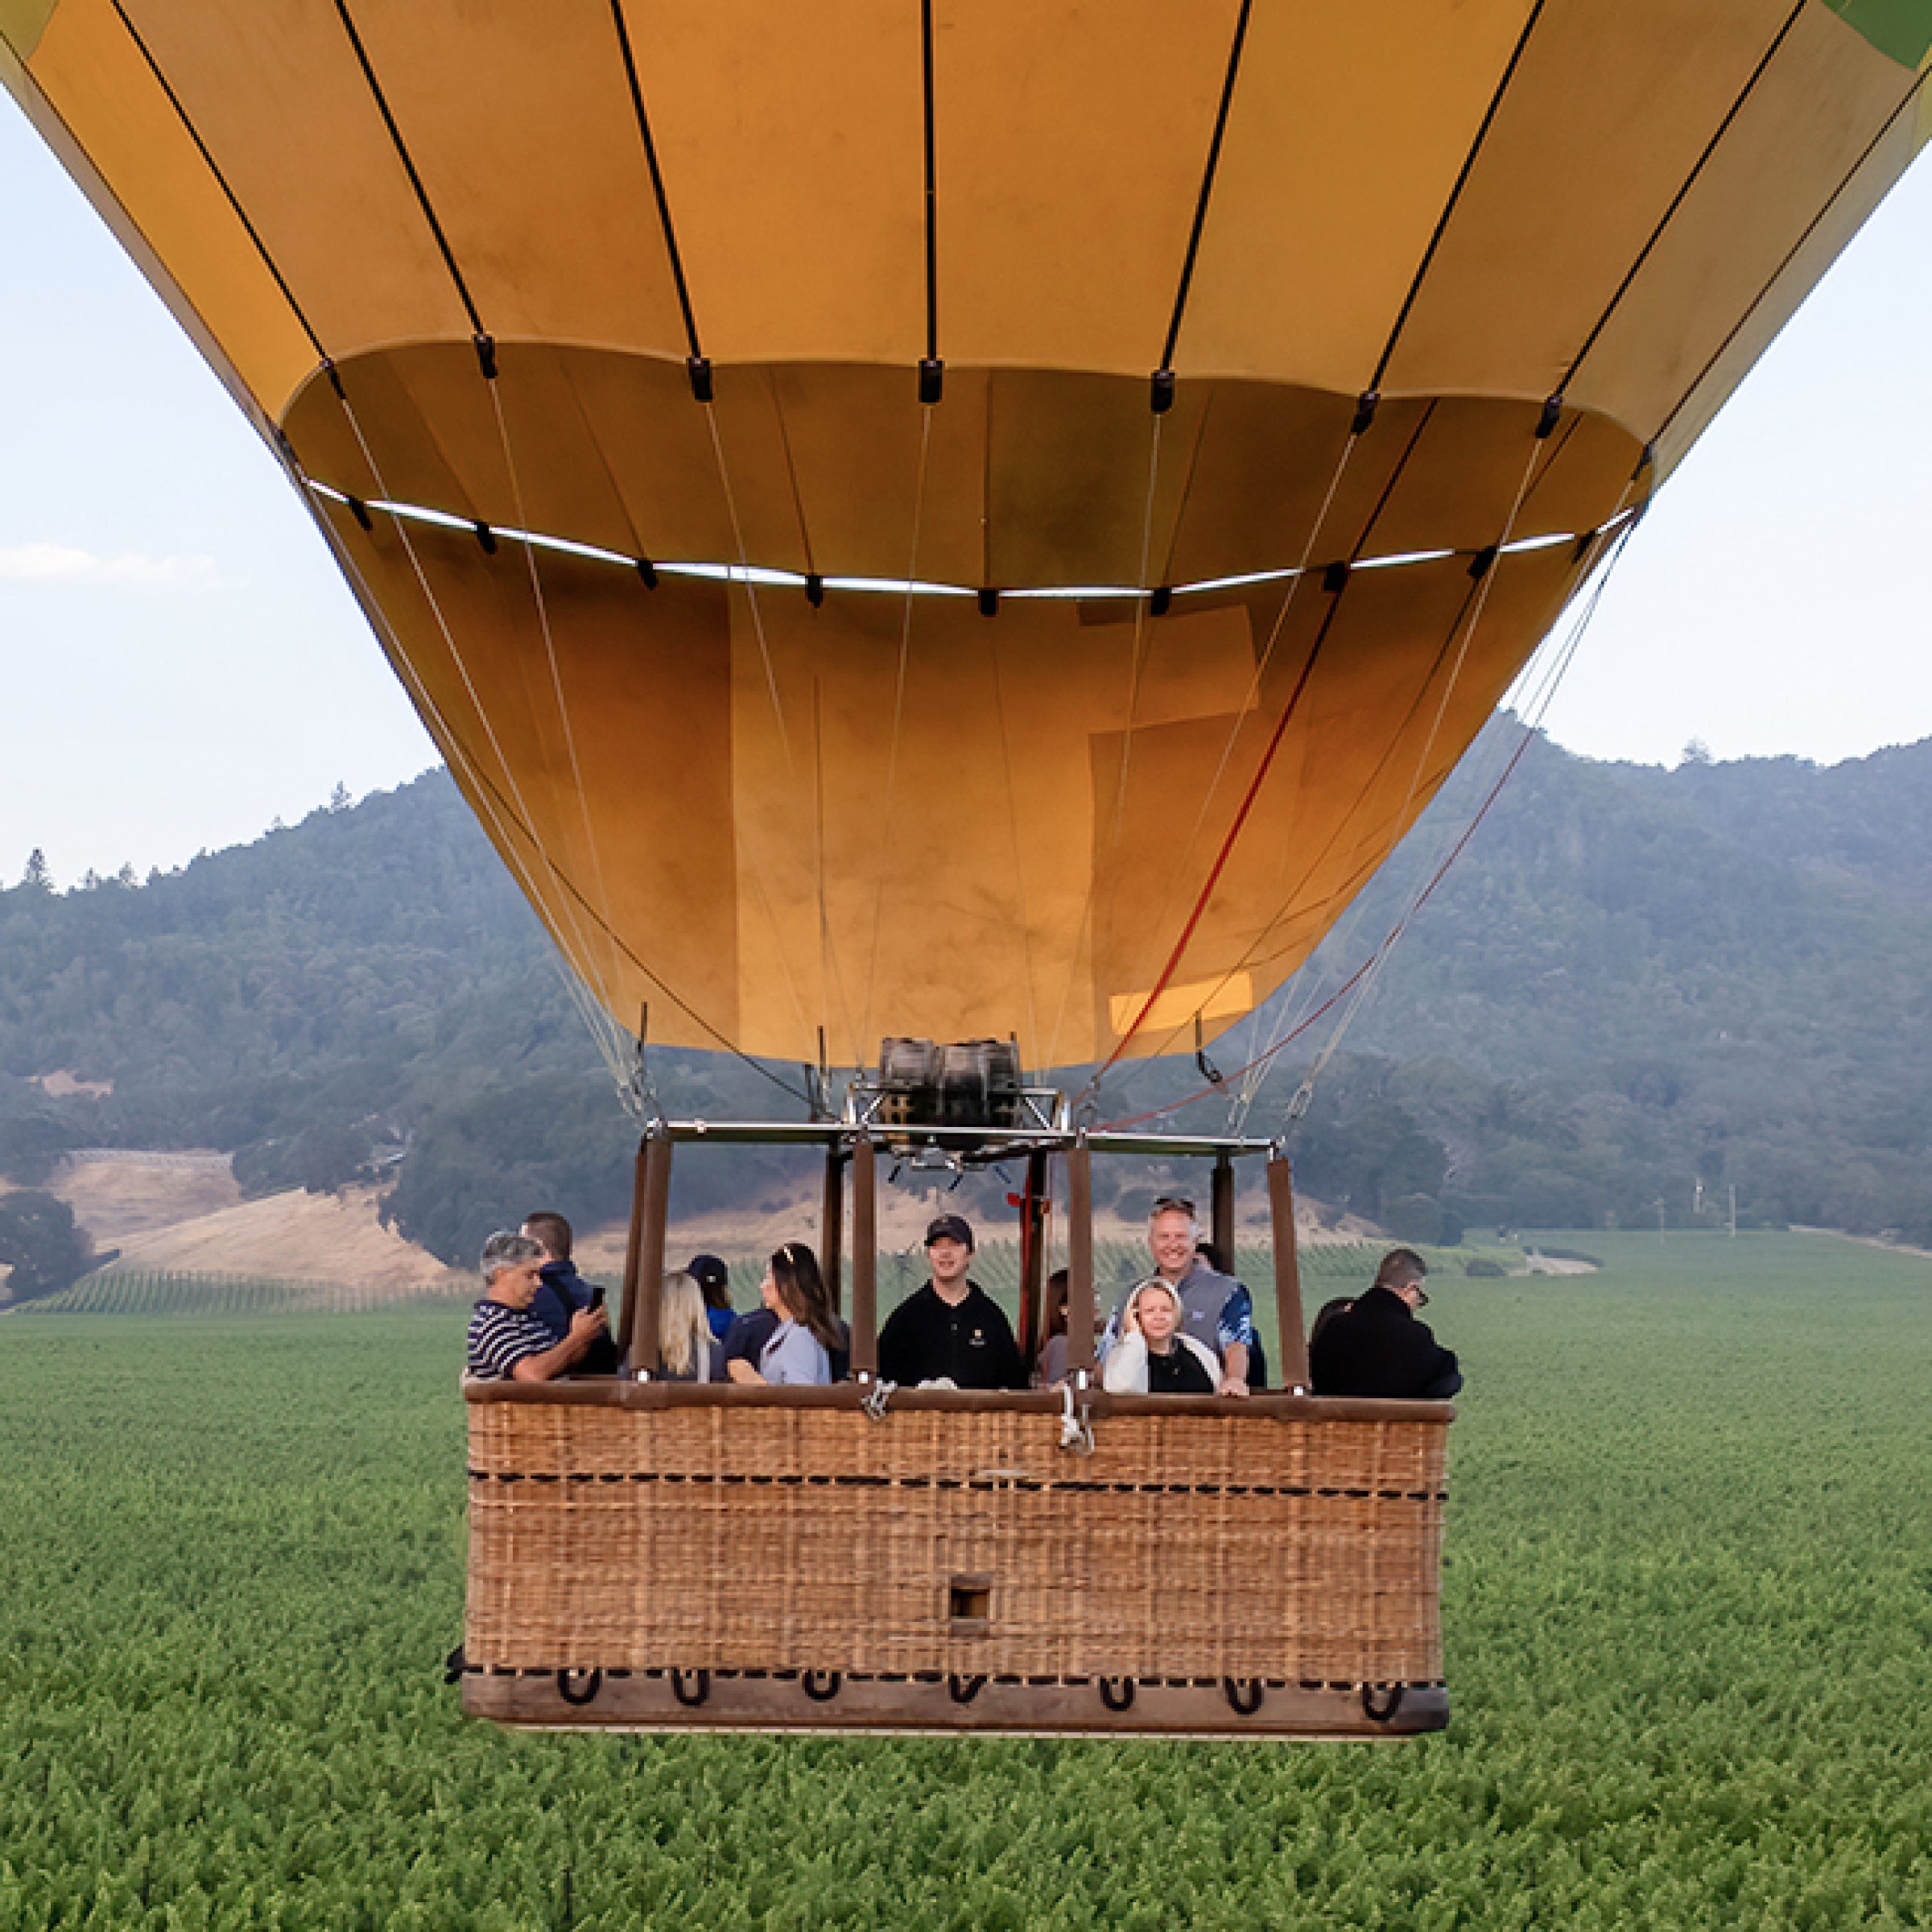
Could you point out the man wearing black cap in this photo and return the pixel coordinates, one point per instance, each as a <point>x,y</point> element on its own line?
<point>950,1330</point>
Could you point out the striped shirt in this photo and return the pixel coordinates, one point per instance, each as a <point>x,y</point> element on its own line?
<point>500,1336</point>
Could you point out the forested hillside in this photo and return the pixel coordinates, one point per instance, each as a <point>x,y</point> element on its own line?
<point>1635,985</point>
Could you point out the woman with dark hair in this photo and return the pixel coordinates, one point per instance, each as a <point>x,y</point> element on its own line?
<point>1051,1370</point>
<point>801,1347</point>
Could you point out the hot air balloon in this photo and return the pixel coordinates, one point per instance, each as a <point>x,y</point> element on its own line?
<point>948,522</point>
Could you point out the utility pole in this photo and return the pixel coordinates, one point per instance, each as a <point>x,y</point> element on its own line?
<point>1734,1210</point>
<point>1660,1217</point>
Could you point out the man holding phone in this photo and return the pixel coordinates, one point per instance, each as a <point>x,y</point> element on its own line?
<point>506,1343</point>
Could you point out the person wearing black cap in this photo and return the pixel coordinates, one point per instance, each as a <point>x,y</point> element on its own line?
<point>713,1279</point>
<point>951,1329</point>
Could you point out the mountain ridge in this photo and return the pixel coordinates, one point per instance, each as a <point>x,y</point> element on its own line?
<point>1636,984</point>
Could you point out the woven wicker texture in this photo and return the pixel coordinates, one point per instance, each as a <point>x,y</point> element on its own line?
<point>1189,1545</point>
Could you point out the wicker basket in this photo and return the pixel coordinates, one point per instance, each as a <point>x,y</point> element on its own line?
<point>658,1555</point>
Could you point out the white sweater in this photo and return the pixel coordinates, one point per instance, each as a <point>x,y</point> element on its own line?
<point>1124,1371</point>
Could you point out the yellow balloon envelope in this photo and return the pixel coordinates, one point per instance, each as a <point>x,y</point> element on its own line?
<point>969,519</point>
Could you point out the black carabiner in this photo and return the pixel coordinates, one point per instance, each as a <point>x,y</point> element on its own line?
<point>821,1686</point>
<point>592,1680</point>
<point>964,1689</point>
<point>701,1679</point>
<point>1243,1695</point>
<point>1116,1693</point>
<point>1389,1709</point>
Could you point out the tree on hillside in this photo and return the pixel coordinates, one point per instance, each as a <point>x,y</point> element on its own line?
<point>39,1240</point>
<point>37,875</point>
<point>32,1145</point>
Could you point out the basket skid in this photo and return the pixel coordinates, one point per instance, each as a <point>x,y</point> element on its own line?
<point>663,1700</point>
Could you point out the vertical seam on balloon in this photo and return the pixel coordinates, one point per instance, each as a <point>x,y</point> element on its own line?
<point>791,473</point>
<point>657,178</point>
<point>931,185</point>
<point>1234,832</point>
<point>1677,200</point>
<point>194,135</point>
<point>408,166</point>
<point>1367,786</point>
<point>1013,830</point>
<point>1790,254</point>
<point>1455,195</point>
<point>1207,175</point>
<point>1088,928</point>
<point>1185,493</point>
<point>1265,656</point>
<point>597,443</point>
<point>1397,470</point>
<point>830,977</point>
<point>898,713</point>
<point>1559,443</point>
<point>1281,619</point>
<point>986,484</point>
<point>771,685</point>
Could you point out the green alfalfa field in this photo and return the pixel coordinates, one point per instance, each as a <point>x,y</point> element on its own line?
<point>1688,1609</point>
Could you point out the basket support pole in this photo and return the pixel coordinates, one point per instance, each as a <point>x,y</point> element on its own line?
<point>1287,1275</point>
<point>1079,1257</point>
<point>644,1289</point>
<point>1221,1214</point>
<point>634,1249</point>
<point>1034,1314</point>
<point>865,1258</point>
<point>831,1226</point>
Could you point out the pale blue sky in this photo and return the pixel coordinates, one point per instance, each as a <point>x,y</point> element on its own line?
<point>182,663</point>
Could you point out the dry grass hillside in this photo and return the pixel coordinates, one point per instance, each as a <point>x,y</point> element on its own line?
<point>116,1193</point>
<point>182,1214</point>
<point>293,1236</point>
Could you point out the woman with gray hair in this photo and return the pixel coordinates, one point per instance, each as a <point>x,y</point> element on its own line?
<point>507,1343</point>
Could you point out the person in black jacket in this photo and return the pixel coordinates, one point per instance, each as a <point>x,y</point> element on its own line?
<point>563,1292</point>
<point>951,1329</point>
<point>1376,1347</point>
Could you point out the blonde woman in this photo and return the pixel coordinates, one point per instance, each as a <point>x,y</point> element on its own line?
<point>684,1337</point>
<point>1154,1355</point>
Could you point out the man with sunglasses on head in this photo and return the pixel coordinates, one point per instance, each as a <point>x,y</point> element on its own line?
<point>1375,1346</point>
<point>1216,1310</point>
